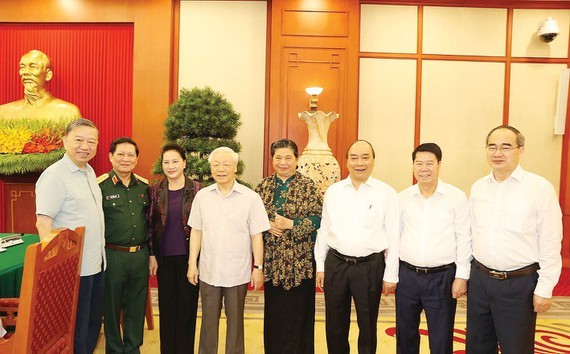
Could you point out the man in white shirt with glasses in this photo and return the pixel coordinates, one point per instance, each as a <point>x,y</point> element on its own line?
<point>516,226</point>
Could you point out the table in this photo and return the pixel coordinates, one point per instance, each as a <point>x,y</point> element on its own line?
<point>12,266</point>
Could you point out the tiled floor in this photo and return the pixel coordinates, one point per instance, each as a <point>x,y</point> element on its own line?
<point>553,329</point>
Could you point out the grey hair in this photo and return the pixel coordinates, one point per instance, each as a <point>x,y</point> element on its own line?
<point>81,122</point>
<point>225,149</point>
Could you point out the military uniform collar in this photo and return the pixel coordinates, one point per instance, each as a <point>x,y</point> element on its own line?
<point>115,179</point>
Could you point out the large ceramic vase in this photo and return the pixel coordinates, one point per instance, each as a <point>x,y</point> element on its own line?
<point>317,160</point>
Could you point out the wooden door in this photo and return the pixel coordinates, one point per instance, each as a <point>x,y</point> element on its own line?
<point>312,44</point>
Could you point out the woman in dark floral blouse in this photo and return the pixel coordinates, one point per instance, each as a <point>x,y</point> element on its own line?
<point>294,205</point>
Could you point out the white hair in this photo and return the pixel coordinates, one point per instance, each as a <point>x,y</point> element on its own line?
<point>225,149</point>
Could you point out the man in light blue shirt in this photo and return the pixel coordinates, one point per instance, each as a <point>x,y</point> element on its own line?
<point>67,195</point>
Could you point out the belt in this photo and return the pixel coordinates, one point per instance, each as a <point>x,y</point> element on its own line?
<point>427,270</point>
<point>354,260</point>
<point>130,249</point>
<point>502,275</point>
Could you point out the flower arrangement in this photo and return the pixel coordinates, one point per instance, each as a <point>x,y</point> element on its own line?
<point>30,145</point>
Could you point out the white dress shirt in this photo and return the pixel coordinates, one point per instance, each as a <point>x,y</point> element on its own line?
<point>435,231</point>
<point>227,224</point>
<point>359,222</point>
<point>516,223</point>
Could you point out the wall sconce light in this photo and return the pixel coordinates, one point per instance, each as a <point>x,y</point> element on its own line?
<point>313,100</point>
<point>548,30</point>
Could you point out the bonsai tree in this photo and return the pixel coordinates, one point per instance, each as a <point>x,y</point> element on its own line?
<point>200,121</point>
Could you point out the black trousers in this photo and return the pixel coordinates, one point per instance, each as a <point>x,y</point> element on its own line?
<point>432,294</point>
<point>177,304</point>
<point>500,312</point>
<point>361,282</point>
<point>289,319</point>
<point>89,313</point>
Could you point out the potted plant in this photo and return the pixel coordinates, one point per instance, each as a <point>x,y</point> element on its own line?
<point>200,121</point>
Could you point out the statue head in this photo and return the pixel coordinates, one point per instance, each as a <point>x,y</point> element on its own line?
<point>35,71</point>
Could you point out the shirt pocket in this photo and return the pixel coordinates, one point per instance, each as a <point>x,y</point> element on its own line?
<point>112,203</point>
<point>373,217</point>
<point>143,201</point>
<point>517,216</point>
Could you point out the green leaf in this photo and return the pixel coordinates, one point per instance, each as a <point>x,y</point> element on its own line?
<point>200,121</point>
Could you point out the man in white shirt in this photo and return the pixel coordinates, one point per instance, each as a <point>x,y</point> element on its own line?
<point>435,255</point>
<point>516,226</point>
<point>357,250</point>
<point>227,221</point>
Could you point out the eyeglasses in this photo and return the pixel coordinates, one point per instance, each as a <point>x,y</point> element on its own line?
<point>502,148</point>
<point>225,165</point>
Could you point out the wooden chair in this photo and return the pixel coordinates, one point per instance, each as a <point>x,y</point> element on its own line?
<point>46,309</point>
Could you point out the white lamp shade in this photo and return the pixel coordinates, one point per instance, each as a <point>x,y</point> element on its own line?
<point>314,91</point>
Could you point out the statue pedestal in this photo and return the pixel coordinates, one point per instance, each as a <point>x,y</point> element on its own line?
<point>317,160</point>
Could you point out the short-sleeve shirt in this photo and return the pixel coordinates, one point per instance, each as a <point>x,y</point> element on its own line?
<point>227,224</point>
<point>125,209</point>
<point>71,197</point>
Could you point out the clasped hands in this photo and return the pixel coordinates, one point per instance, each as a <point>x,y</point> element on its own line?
<point>279,225</point>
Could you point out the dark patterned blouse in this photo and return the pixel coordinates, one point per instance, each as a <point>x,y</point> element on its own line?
<point>288,259</point>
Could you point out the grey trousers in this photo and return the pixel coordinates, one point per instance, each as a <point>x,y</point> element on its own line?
<point>234,302</point>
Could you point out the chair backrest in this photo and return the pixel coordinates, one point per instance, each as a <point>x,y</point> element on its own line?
<point>48,298</point>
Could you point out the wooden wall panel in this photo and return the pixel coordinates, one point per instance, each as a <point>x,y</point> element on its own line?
<point>315,23</point>
<point>306,67</point>
<point>21,207</point>
<point>312,44</point>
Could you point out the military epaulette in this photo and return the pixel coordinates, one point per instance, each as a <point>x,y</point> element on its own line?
<point>142,179</point>
<point>102,178</point>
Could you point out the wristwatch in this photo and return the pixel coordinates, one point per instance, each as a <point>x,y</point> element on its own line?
<point>258,266</point>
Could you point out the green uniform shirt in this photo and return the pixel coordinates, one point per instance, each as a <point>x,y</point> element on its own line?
<point>125,209</point>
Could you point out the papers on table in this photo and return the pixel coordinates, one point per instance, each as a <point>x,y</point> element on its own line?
<point>11,240</point>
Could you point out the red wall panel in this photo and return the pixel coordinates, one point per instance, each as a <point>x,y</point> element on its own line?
<point>93,68</point>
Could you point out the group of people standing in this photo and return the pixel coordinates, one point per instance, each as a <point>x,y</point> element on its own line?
<point>432,245</point>
<point>429,244</point>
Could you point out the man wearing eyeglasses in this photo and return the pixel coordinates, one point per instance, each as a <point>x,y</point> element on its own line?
<point>517,232</point>
<point>125,204</point>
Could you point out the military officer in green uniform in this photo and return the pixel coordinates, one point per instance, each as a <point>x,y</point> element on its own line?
<point>125,203</point>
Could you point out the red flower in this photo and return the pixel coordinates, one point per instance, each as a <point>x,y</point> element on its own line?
<point>47,140</point>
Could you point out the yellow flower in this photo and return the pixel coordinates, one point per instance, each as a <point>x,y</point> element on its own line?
<point>12,140</point>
